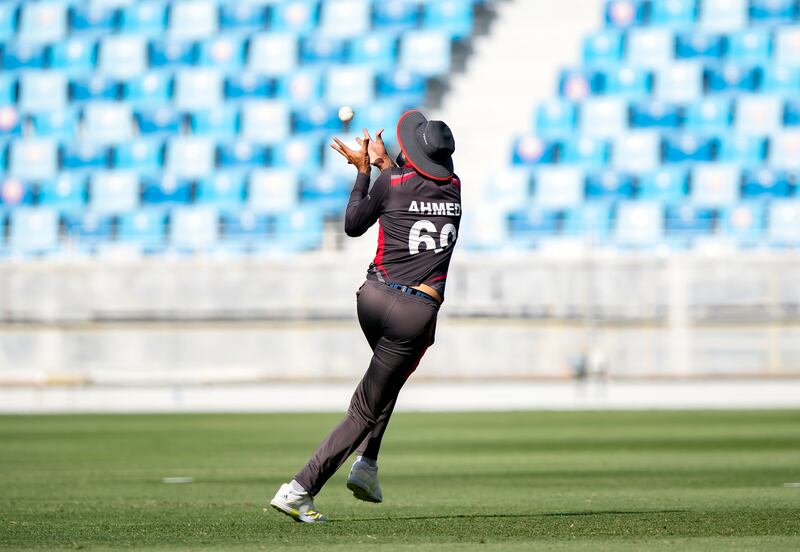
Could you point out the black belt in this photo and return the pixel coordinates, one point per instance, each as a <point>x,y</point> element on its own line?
<point>411,291</point>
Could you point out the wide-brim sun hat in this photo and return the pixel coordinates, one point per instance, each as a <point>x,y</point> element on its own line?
<point>427,145</point>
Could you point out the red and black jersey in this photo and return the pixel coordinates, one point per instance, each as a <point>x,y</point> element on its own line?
<point>419,220</point>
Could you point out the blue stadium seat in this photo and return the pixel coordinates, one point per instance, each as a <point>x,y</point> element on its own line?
<point>530,150</point>
<point>148,90</point>
<point>169,53</point>
<point>578,84</point>
<point>10,124</point>
<point>242,155</point>
<point>222,190</point>
<point>344,18</point>
<point>395,15</point>
<point>302,87</point>
<point>555,118</point>
<point>744,223</point>
<point>194,229</point>
<point>167,190</point>
<point>274,54</point>
<point>248,85</point>
<point>758,114</point>
<point>592,220</point>
<point>680,82</point>
<point>122,56</point>
<point>112,192</point>
<point>692,45</point>
<point>316,49</point>
<point>33,159</point>
<point>750,46</point>
<point>733,78</point>
<point>295,16</point>
<point>8,94</point>
<point>42,22</point>
<point>529,227</point>
<point>375,50</point>
<point>328,192</point>
<point>664,185</point>
<point>33,230</point>
<point>604,117</point>
<point>18,56</point>
<point>723,15</point>
<point>791,113</point>
<point>162,121</point>
<point>90,19</point>
<point>221,123</point>
<point>223,52</point>
<point>143,155</point>
<point>74,56</point>
<point>745,150</point>
<point>655,115</point>
<point>511,187</point>
<point>780,79</point>
<point>401,85</point>
<point>709,115</point>
<point>650,47</point>
<point>84,156</point>
<point>66,193</point>
<point>773,11</point>
<point>243,16</point>
<point>14,192</point>
<point>198,88</point>
<point>318,117</point>
<point>636,152</point>
<point>426,53</point>
<point>8,17</point>
<point>639,223</point>
<point>765,183</point>
<point>784,222</point>
<point>451,16</point>
<point>558,187</point>
<point>784,150</point>
<point>673,13</point>
<point>299,229</point>
<point>584,152</point>
<point>245,228</point>
<point>107,123</point>
<point>93,88</point>
<point>145,18</point>
<point>273,190</point>
<point>686,222</point>
<point>787,46</point>
<point>349,85</point>
<point>609,185</point>
<point>625,13</point>
<point>604,47</point>
<point>146,228</point>
<point>192,19</point>
<point>380,114</point>
<point>679,149</point>
<point>715,185</point>
<point>189,157</point>
<point>86,231</point>
<point>301,152</point>
<point>42,91</point>
<point>628,81</point>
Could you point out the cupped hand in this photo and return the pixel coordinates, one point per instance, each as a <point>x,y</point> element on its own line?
<point>377,150</point>
<point>359,158</point>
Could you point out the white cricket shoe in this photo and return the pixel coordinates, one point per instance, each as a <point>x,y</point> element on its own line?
<point>298,506</point>
<point>363,481</point>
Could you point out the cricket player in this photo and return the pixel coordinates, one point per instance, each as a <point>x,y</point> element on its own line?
<point>417,204</point>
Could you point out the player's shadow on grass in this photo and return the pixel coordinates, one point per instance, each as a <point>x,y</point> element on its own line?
<point>489,516</point>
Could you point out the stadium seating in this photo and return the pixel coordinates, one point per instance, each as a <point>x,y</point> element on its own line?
<point>196,125</point>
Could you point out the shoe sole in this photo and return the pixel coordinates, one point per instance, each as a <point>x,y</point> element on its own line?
<point>293,513</point>
<point>361,492</point>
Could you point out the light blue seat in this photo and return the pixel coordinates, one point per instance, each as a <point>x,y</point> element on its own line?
<point>584,152</point>
<point>150,89</point>
<point>73,56</point>
<point>122,56</point>
<point>784,150</point>
<point>650,47</point>
<point>224,190</point>
<point>107,123</point>
<point>592,221</point>
<point>295,16</point>
<point>381,114</point>
<point>745,150</point>
<point>190,157</point>
<point>220,123</point>
<point>709,115</point>
<point>637,152</point>
<point>604,47</point>
<point>8,15</point>
<point>744,223</point>
<point>375,50</point>
<point>8,94</point>
<point>510,187</point>
<point>349,85</point>
<point>426,53</point>
<point>716,184</point>
<point>787,46</point>
<point>192,19</point>
<point>402,86</point>
<point>344,18</point>
<point>143,155</point>
<point>198,88</point>
<point>668,185</point>
<point>167,190</point>
<point>66,192</point>
<point>555,118</point>
<point>42,91</point>
<point>300,152</point>
<point>274,54</point>
<point>395,15</point>
<point>266,122</point>
<point>299,229</point>
<point>485,229</point>
<point>145,18</point>
<point>558,187</point>
<point>605,117</point>
<point>681,82</point>
<point>628,81</point>
<point>451,16</point>
<point>194,229</point>
<point>112,192</point>
<point>244,229</point>
<point>784,222</point>
<point>146,228</point>
<point>41,22</point>
<point>86,231</point>
<point>302,87</point>
<point>526,227</point>
<point>781,79</point>
<point>624,13</point>
<point>639,223</point>
<point>33,230</point>
<point>673,13</point>
<point>33,159</point>
<point>723,15</point>
<point>609,185</point>
<point>15,193</point>
<point>158,122</point>
<point>273,190</point>
<point>758,114</point>
<point>750,46</point>
<point>223,52</point>
<point>242,85</point>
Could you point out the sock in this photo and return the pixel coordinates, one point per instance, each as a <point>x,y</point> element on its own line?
<point>297,487</point>
<point>371,462</point>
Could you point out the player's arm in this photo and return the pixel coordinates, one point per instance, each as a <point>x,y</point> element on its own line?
<point>377,151</point>
<point>365,205</point>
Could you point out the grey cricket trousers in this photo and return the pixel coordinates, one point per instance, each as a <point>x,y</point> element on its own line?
<point>399,328</point>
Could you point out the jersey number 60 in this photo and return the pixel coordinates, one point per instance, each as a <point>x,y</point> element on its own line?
<point>416,237</point>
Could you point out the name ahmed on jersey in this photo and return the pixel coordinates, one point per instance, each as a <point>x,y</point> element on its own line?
<point>444,208</point>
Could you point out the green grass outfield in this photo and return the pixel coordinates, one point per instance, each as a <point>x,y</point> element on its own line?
<point>452,482</point>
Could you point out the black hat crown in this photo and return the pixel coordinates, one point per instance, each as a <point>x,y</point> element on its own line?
<point>437,140</point>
